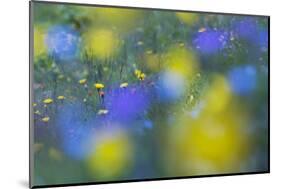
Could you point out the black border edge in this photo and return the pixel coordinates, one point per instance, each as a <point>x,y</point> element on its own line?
<point>149,180</point>
<point>31,165</point>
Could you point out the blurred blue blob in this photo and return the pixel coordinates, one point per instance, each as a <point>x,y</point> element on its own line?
<point>263,38</point>
<point>246,29</point>
<point>75,133</point>
<point>249,29</point>
<point>170,86</point>
<point>63,42</point>
<point>211,41</point>
<point>127,104</point>
<point>243,79</point>
<point>148,124</point>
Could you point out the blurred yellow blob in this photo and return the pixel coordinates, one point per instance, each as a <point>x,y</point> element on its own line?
<point>55,154</point>
<point>39,45</point>
<point>48,101</point>
<point>112,156</point>
<point>102,43</point>
<point>38,147</point>
<point>209,144</point>
<point>119,18</point>
<point>153,61</point>
<point>82,81</point>
<point>218,95</point>
<point>181,61</point>
<point>187,18</point>
<point>61,97</point>
<point>124,85</point>
<point>99,86</point>
<point>45,119</point>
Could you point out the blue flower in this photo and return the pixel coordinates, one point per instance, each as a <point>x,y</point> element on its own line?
<point>74,132</point>
<point>148,124</point>
<point>243,79</point>
<point>263,38</point>
<point>63,42</point>
<point>246,29</point>
<point>211,41</point>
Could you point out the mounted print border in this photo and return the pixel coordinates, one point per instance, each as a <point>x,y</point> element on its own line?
<point>126,94</point>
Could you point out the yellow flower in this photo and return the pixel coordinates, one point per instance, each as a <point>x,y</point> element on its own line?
<point>46,119</point>
<point>142,76</point>
<point>48,101</point>
<point>139,74</point>
<point>61,97</point>
<point>82,81</point>
<point>102,112</point>
<point>124,85</point>
<point>102,43</point>
<point>34,104</point>
<point>99,85</point>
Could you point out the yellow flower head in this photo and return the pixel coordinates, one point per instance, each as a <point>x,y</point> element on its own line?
<point>34,104</point>
<point>48,101</point>
<point>102,112</point>
<point>99,86</point>
<point>142,76</point>
<point>61,97</point>
<point>46,119</point>
<point>82,81</point>
<point>124,85</point>
<point>139,74</point>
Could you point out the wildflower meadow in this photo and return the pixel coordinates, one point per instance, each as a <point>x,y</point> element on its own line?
<point>133,94</point>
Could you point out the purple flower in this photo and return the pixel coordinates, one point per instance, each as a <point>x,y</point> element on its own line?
<point>126,104</point>
<point>263,38</point>
<point>246,29</point>
<point>211,41</point>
